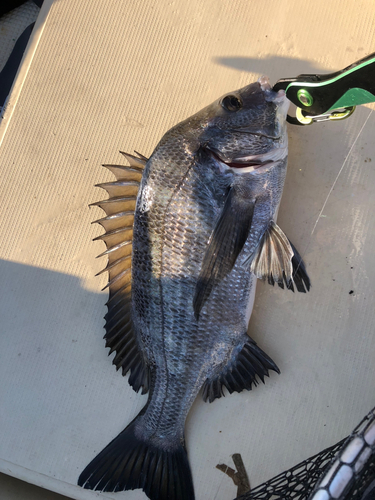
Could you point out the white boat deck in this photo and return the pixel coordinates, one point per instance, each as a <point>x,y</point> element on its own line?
<point>104,76</point>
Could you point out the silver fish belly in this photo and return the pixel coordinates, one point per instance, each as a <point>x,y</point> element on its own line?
<point>184,257</point>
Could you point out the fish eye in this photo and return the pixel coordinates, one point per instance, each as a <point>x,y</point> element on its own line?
<point>231,103</point>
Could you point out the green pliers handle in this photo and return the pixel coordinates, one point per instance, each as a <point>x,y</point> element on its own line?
<point>315,95</point>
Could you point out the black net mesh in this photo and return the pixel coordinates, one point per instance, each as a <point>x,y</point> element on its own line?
<point>343,471</point>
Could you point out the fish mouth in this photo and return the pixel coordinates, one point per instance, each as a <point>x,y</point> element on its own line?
<point>260,162</point>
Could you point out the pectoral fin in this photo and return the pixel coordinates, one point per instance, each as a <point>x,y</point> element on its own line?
<point>276,259</point>
<point>224,246</point>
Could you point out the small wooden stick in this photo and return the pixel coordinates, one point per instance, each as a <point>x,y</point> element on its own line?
<point>240,477</point>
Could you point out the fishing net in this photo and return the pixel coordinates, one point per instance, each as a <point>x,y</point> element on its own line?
<point>344,471</point>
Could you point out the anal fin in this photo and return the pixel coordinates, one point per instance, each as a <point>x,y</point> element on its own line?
<point>241,371</point>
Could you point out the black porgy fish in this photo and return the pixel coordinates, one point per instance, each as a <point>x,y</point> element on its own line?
<point>188,232</point>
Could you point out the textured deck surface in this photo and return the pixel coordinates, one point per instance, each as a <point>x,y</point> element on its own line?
<point>116,76</point>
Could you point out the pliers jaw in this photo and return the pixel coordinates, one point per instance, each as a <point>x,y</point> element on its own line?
<point>315,95</point>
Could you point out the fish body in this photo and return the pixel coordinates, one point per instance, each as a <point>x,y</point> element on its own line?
<point>203,231</point>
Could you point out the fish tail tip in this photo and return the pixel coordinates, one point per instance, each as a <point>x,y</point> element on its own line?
<point>129,462</point>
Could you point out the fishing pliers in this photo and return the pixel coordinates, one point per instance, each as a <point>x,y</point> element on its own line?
<point>333,96</point>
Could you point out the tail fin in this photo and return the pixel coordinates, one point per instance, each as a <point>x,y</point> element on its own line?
<point>128,463</point>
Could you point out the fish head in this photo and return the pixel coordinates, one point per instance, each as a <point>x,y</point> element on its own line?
<point>246,129</point>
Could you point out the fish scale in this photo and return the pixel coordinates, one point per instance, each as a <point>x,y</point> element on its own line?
<point>204,228</point>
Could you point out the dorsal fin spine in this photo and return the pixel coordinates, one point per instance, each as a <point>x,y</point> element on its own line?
<point>135,161</point>
<point>113,249</point>
<point>129,213</point>
<point>124,339</point>
<point>114,199</point>
<point>113,264</point>
<point>121,342</point>
<point>122,320</point>
<point>115,294</point>
<point>118,278</point>
<point>128,356</point>
<point>113,232</point>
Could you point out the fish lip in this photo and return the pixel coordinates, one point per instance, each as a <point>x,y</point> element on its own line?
<point>241,165</point>
<point>245,130</point>
<point>271,95</point>
<point>264,83</point>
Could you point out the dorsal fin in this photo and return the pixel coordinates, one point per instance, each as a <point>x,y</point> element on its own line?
<point>118,226</point>
<point>276,259</point>
<point>135,161</point>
